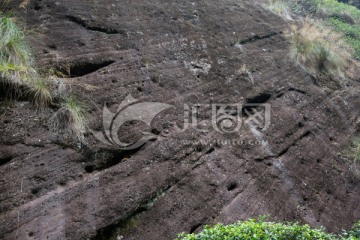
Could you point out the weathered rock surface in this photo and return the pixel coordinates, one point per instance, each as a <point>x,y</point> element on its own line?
<point>174,52</point>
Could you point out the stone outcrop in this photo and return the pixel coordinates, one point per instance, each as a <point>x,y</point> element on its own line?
<point>174,52</point>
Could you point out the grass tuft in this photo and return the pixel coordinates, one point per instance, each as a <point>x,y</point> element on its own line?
<point>340,17</point>
<point>17,73</point>
<point>280,7</point>
<point>71,118</point>
<point>354,151</point>
<point>316,52</point>
<point>17,64</point>
<point>40,90</point>
<point>15,54</point>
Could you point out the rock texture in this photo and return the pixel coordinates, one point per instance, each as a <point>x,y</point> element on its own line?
<point>174,52</point>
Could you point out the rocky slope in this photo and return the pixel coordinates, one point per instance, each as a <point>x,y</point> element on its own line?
<point>174,52</point>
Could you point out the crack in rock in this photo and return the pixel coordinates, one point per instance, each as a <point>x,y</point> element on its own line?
<point>108,231</point>
<point>257,38</point>
<point>84,24</point>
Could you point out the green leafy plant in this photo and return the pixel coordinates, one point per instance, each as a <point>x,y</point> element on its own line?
<point>353,233</point>
<point>262,230</point>
<point>280,7</point>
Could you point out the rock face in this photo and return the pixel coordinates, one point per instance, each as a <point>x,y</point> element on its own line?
<point>174,52</point>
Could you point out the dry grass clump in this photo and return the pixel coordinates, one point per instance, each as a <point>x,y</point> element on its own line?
<point>319,52</point>
<point>16,63</point>
<point>22,3</point>
<point>41,92</point>
<point>70,118</point>
<point>18,74</point>
<point>279,7</point>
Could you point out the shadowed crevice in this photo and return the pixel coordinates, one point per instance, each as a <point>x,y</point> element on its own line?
<point>86,25</point>
<point>82,68</point>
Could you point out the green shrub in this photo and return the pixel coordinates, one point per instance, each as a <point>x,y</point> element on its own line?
<point>261,230</point>
<point>344,19</point>
<point>351,34</point>
<point>353,233</point>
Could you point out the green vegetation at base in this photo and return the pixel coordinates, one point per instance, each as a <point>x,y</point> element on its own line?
<point>262,230</point>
